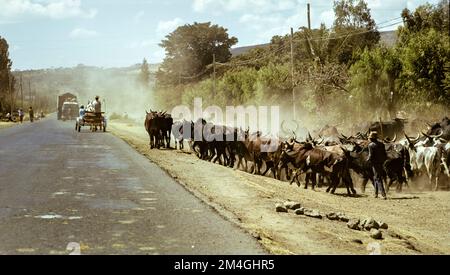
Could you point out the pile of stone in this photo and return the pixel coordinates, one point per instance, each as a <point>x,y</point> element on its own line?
<point>298,209</point>
<point>368,224</point>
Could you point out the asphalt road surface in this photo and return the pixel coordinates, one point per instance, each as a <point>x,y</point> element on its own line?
<point>60,188</point>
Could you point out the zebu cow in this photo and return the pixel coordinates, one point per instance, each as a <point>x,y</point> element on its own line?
<point>320,161</point>
<point>426,159</point>
<point>442,129</point>
<point>182,130</point>
<point>159,126</point>
<point>166,129</point>
<point>152,126</point>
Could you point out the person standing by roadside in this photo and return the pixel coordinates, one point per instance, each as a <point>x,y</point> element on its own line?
<point>377,157</point>
<point>21,115</point>
<point>31,114</point>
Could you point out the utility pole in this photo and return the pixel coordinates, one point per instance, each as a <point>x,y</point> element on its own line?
<point>10,94</point>
<point>309,16</point>
<point>292,73</point>
<point>214,75</point>
<point>29,92</point>
<point>21,92</point>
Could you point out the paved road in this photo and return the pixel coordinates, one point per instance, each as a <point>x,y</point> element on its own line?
<point>58,186</point>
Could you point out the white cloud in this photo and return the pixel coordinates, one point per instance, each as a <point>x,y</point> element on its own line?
<point>165,27</point>
<point>55,9</point>
<point>79,33</point>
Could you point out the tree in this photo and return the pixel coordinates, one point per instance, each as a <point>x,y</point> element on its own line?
<point>373,79</point>
<point>6,78</point>
<point>354,28</point>
<point>425,58</point>
<point>144,75</point>
<point>189,51</point>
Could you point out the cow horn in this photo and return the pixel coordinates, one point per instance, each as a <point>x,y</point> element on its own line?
<point>146,112</point>
<point>310,137</point>
<point>388,140</point>
<point>438,136</point>
<point>416,139</point>
<point>395,138</point>
<point>320,141</point>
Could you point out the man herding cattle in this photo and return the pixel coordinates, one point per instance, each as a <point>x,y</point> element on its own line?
<point>377,157</point>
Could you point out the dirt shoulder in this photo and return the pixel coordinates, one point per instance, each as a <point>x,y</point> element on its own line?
<point>418,221</point>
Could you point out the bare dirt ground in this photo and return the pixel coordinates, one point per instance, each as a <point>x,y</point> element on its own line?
<point>419,221</point>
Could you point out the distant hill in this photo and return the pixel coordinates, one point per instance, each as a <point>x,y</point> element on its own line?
<point>241,50</point>
<point>388,38</point>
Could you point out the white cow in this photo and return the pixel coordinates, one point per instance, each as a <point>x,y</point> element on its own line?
<point>426,158</point>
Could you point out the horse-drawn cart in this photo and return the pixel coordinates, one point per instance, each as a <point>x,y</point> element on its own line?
<point>93,120</point>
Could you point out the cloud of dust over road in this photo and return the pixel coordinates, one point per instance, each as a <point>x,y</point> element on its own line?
<point>119,90</point>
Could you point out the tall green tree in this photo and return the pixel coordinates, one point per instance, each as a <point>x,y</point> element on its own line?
<point>6,78</point>
<point>374,78</point>
<point>354,28</point>
<point>190,49</point>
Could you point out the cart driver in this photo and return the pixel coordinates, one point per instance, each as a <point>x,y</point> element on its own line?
<point>97,106</point>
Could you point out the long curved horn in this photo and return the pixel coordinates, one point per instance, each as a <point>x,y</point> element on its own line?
<point>438,136</point>
<point>425,135</point>
<point>416,139</point>
<point>395,138</point>
<point>408,139</point>
<point>388,140</point>
<point>310,137</point>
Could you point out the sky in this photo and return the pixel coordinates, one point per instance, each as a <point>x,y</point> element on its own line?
<point>120,33</point>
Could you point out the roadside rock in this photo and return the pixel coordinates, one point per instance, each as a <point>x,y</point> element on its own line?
<point>376,234</point>
<point>292,205</point>
<point>280,208</point>
<point>342,217</point>
<point>370,223</point>
<point>353,224</point>
<point>332,216</point>
<point>357,241</point>
<point>313,214</point>
<point>383,225</point>
<point>300,211</point>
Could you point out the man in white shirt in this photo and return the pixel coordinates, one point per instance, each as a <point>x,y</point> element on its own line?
<point>97,106</point>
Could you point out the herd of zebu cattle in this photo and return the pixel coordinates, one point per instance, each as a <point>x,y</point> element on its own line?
<point>330,157</point>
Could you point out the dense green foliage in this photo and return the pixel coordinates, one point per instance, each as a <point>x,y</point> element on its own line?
<point>6,78</point>
<point>190,49</point>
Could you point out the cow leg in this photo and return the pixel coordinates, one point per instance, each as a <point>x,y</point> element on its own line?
<point>267,168</point>
<point>239,162</point>
<point>437,181</point>
<point>363,185</point>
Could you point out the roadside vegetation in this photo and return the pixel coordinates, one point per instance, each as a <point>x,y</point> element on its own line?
<point>337,69</point>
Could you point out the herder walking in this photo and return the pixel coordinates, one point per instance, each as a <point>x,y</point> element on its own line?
<point>377,157</point>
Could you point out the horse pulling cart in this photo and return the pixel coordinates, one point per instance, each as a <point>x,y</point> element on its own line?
<point>93,120</point>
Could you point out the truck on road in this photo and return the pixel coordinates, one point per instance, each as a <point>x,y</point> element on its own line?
<point>68,107</point>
